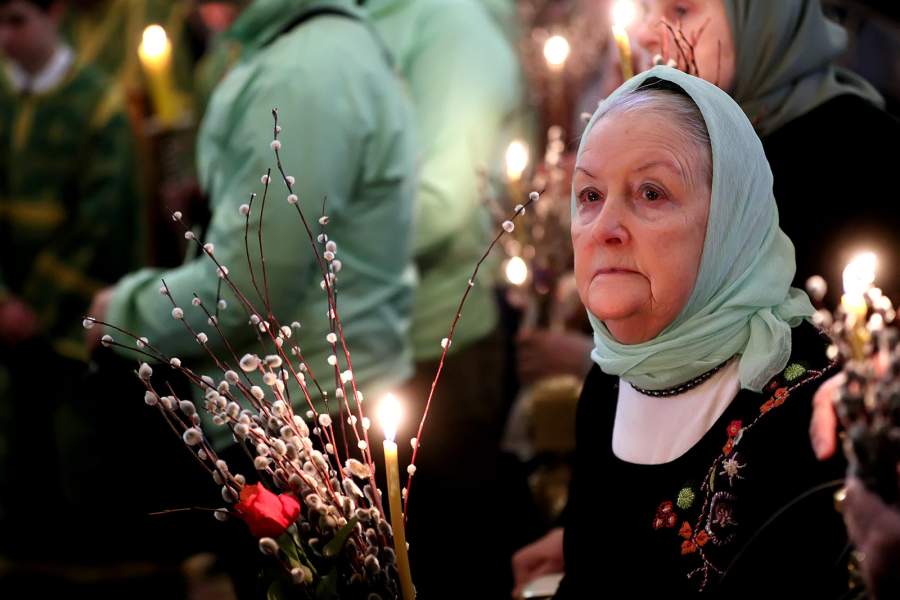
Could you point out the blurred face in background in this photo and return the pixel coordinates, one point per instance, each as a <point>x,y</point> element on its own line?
<point>705,25</point>
<point>29,33</point>
<point>218,16</point>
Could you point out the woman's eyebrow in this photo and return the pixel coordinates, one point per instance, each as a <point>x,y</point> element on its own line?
<point>585,171</point>
<point>661,163</point>
<point>671,166</point>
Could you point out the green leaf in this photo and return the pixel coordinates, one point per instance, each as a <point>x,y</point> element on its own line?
<point>291,548</point>
<point>333,548</point>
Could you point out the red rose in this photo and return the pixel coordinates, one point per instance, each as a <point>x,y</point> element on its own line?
<point>687,547</point>
<point>701,538</point>
<point>767,406</point>
<point>734,427</point>
<point>267,514</point>
<point>685,530</point>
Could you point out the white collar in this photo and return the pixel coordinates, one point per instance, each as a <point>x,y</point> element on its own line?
<point>653,431</point>
<point>50,76</point>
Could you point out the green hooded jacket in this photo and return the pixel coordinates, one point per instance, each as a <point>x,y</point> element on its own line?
<point>346,136</point>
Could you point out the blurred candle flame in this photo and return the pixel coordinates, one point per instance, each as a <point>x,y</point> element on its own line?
<point>556,51</point>
<point>389,415</point>
<point>859,274</point>
<point>516,270</point>
<point>516,159</point>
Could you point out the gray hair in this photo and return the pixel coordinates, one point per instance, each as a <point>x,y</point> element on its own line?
<point>677,108</point>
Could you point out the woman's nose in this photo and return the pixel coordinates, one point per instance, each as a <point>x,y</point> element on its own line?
<point>609,226</point>
<point>647,32</point>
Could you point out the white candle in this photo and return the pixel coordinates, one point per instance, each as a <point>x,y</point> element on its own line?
<point>623,14</point>
<point>859,276</point>
<point>155,52</point>
<point>389,416</point>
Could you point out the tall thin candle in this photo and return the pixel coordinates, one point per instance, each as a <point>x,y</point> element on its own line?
<point>389,415</point>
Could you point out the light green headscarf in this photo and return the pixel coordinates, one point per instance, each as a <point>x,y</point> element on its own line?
<point>785,53</point>
<point>742,302</point>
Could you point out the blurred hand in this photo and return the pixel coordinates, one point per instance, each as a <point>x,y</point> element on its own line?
<point>874,528</point>
<point>543,557</point>
<point>98,308</point>
<point>542,353</point>
<point>18,322</point>
<point>824,424</point>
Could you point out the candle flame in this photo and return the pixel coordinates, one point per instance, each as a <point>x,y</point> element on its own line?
<point>623,13</point>
<point>516,270</point>
<point>556,50</point>
<point>859,275</point>
<point>389,414</point>
<point>154,41</point>
<point>516,159</point>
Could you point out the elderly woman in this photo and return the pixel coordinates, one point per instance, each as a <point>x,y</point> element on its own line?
<point>693,467</point>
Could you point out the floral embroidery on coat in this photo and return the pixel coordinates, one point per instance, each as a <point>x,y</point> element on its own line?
<point>717,499</point>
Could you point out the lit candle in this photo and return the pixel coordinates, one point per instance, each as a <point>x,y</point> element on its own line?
<point>516,160</point>
<point>556,51</point>
<point>155,52</point>
<point>623,13</point>
<point>516,270</point>
<point>858,276</point>
<point>516,163</point>
<point>389,416</point>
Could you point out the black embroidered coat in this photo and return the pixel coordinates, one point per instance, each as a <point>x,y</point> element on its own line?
<point>747,511</point>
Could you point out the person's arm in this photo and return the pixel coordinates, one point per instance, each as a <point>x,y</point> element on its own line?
<point>321,145</point>
<point>463,82</point>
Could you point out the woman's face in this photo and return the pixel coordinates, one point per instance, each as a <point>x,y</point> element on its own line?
<point>705,25</point>
<point>642,202</point>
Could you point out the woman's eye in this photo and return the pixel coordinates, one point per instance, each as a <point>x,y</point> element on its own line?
<point>651,194</point>
<point>679,12</point>
<point>589,195</point>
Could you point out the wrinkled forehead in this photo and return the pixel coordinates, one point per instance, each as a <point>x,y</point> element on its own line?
<point>736,153</point>
<point>643,138</point>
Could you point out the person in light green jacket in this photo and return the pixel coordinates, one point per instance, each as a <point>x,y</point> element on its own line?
<point>346,136</point>
<point>467,89</point>
<point>506,16</point>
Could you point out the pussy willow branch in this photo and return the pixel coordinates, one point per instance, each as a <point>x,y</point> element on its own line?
<point>462,301</point>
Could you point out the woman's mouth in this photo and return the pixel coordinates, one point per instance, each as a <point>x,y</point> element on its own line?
<point>615,271</point>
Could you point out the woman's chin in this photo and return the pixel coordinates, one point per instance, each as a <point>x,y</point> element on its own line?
<point>617,298</point>
<point>608,310</point>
